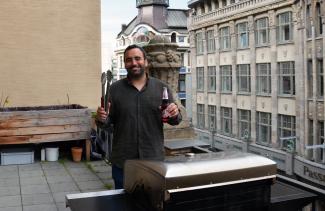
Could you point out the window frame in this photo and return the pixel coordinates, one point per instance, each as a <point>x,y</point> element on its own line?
<point>225,79</point>
<point>282,74</point>
<point>242,35</point>
<point>226,120</point>
<point>282,27</point>
<point>265,124</point>
<point>224,38</point>
<point>320,78</point>
<point>282,128</point>
<point>211,47</point>
<point>212,117</point>
<point>200,79</point>
<point>243,76</point>
<point>242,122</point>
<point>200,116</point>
<point>199,37</point>
<point>263,79</point>
<point>212,79</point>
<point>259,30</point>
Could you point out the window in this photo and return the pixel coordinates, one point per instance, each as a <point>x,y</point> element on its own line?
<point>173,38</point>
<point>262,32</point>
<point>321,140</point>
<point>224,38</point>
<point>263,130</point>
<point>200,78</point>
<point>242,35</point>
<point>181,83</point>
<point>310,78</point>
<point>287,126</point>
<point>308,21</point>
<point>211,42</point>
<point>226,121</point>
<point>320,78</point>
<point>284,27</point>
<point>287,78</point>
<point>263,76</point>
<point>199,43</point>
<point>319,29</point>
<point>212,118</point>
<point>226,78</point>
<point>244,123</point>
<point>212,78</point>
<point>200,116</point>
<point>181,39</point>
<point>243,78</point>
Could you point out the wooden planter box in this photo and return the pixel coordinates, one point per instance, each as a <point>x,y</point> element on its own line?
<point>24,125</point>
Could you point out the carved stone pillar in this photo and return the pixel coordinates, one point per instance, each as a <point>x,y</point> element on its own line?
<point>163,63</point>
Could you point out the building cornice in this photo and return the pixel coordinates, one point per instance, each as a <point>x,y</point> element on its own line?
<point>236,11</point>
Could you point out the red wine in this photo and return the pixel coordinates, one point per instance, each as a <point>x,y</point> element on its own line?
<point>164,105</point>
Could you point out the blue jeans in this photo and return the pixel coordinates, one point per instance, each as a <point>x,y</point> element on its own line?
<point>118,176</point>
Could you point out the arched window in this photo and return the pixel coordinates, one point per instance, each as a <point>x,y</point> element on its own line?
<point>173,37</point>
<point>142,35</point>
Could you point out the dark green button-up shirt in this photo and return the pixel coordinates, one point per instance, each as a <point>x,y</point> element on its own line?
<point>136,118</point>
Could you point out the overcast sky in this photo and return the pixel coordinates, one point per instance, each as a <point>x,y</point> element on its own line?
<point>113,14</point>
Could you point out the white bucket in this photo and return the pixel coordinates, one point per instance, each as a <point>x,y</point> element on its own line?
<point>52,154</point>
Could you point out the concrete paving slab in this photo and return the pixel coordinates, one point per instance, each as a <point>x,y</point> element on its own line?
<point>10,201</point>
<point>77,171</point>
<point>55,172</point>
<point>85,177</point>
<point>11,209</point>
<point>34,199</point>
<point>71,164</point>
<point>60,196</point>
<point>40,207</point>
<point>30,167</point>
<point>32,173</point>
<point>10,191</point>
<point>104,175</point>
<point>37,180</point>
<point>59,179</point>
<point>90,185</point>
<point>9,168</point>
<point>63,187</point>
<point>51,165</point>
<point>62,207</point>
<point>9,182</point>
<point>9,174</point>
<point>34,189</point>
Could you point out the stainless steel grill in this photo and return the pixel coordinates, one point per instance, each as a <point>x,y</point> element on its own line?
<point>202,178</point>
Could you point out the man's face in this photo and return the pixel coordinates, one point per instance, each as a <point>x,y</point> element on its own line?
<point>135,63</point>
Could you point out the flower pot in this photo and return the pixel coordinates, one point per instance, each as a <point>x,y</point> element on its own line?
<point>76,153</point>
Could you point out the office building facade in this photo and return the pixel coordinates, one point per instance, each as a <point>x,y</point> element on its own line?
<point>258,80</point>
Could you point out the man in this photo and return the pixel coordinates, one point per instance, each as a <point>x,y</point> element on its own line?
<point>134,111</point>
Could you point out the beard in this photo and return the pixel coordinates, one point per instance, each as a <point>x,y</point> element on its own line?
<point>135,75</point>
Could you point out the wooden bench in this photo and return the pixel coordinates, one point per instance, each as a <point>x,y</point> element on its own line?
<point>32,125</point>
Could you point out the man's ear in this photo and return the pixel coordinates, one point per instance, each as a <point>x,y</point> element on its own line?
<point>146,62</point>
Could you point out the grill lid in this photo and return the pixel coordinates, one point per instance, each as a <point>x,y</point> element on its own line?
<point>198,170</point>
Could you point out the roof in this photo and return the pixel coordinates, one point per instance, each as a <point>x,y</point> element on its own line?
<point>176,21</point>
<point>177,18</point>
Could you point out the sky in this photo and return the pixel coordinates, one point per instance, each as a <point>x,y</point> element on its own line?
<point>114,13</point>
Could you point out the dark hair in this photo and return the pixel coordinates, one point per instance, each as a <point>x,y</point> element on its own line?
<point>130,47</point>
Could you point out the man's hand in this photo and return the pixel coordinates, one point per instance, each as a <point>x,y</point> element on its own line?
<point>102,114</point>
<point>172,109</point>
